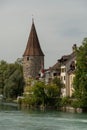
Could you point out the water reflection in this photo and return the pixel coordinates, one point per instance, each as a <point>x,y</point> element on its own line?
<point>7,107</point>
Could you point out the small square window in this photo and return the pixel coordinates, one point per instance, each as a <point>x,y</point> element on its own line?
<point>27,58</point>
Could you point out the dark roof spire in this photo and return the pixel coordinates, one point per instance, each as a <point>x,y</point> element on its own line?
<point>33,46</point>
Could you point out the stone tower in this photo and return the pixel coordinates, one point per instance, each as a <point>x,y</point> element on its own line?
<point>33,57</point>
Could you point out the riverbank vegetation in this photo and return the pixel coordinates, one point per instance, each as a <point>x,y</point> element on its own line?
<point>37,93</point>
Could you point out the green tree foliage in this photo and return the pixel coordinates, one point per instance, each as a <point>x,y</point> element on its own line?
<point>80,81</point>
<point>11,79</point>
<point>41,94</point>
<point>59,84</point>
<point>53,94</point>
<point>3,69</point>
<point>29,98</point>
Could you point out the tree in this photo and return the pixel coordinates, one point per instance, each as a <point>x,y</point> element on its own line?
<point>3,69</point>
<point>14,82</point>
<point>80,80</point>
<point>38,93</point>
<point>59,84</point>
<point>54,92</point>
<point>11,79</point>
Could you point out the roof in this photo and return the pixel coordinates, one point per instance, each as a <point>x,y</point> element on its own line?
<point>55,66</point>
<point>64,59</point>
<point>33,46</point>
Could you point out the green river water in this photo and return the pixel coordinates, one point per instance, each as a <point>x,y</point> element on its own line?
<point>13,119</point>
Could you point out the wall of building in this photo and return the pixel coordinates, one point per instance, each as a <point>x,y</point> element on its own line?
<point>63,79</point>
<point>71,89</point>
<point>68,82</point>
<point>32,66</point>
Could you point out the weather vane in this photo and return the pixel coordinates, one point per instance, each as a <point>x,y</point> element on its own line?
<point>32,18</point>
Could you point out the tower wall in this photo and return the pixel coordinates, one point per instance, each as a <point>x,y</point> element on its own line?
<point>32,66</point>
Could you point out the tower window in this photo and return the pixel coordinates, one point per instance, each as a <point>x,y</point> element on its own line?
<point>27,58</point>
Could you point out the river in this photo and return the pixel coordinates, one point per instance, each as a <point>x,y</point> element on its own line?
<point>13,119</point>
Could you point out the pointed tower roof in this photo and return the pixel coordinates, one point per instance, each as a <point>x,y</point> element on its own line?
<point>33,46</point>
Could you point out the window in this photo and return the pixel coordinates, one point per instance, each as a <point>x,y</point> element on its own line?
<point>64,77</point>
<point>63,69</point>
<point>55,74</point>
<point>27,58</point>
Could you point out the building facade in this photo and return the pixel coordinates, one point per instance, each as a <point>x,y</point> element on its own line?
<point>67,74</point>
<point>65,70</point>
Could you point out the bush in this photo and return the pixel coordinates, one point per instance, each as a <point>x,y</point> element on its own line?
<point>76,104</point>
<point>65,101</point>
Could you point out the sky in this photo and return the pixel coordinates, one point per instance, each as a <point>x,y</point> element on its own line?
<point>59,25</point>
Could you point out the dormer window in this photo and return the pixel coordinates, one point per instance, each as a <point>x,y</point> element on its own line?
<point>72,65</point>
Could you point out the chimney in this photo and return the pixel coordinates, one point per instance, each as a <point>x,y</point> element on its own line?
<point>74,47</point>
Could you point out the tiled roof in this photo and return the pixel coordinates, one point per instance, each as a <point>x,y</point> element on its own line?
<point>64,59</point>
<point>55,66</point>
<point>33,46</point>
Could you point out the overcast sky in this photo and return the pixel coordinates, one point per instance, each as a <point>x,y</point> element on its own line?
<point>59,25</point>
